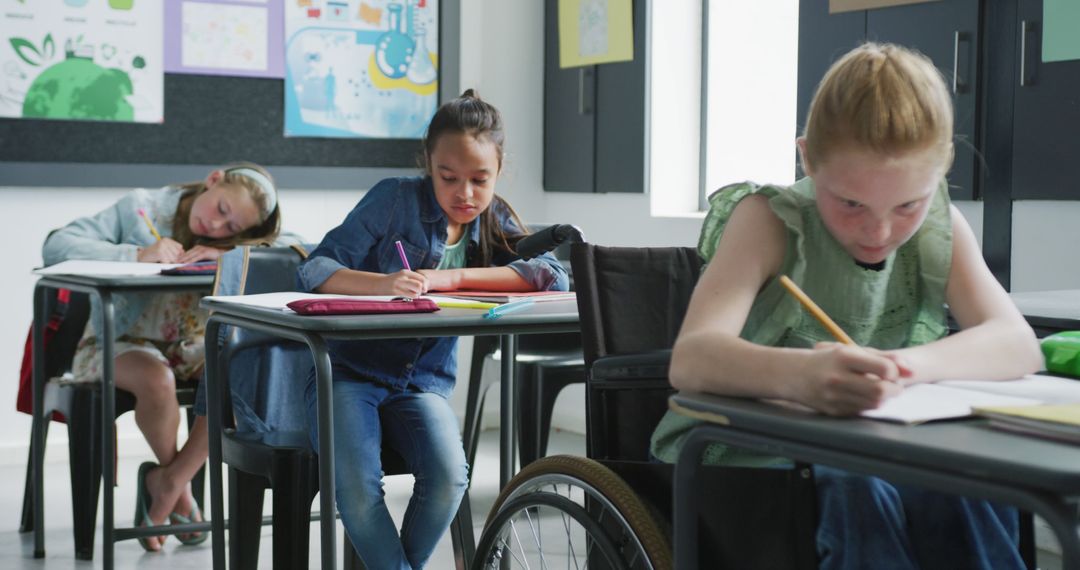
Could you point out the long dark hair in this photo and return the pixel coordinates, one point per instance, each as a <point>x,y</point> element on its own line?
<point>262,233</point>
<point>471,115</point>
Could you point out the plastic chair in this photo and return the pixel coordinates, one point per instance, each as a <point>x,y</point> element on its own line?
<point>81,406</point>
<point>545,364</point>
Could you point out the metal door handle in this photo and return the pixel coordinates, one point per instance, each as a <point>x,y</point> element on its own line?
<point>1024,25</point>
<point>958,85</point>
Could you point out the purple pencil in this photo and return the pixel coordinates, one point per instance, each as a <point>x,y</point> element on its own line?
<point>401,252</point>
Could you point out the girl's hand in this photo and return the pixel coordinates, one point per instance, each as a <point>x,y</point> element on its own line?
<point>405,283</point>
<point>200,253</point>
<point>844,380</point>
<point>441,279</point>
<point>165,250</point>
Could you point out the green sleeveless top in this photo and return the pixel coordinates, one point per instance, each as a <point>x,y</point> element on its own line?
<point>901,305</point>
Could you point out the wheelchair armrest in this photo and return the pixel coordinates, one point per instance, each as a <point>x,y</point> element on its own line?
<point>639,370</point>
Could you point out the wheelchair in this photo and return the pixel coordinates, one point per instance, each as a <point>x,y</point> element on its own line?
<point>612,508</point>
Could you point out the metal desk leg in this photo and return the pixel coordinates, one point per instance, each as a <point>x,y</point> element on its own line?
<point>215,394</point>
<point>324,383</point>
<point>108,427</point>
<point>507,417</point>
<point>684,511</point>
<point>38,421</point>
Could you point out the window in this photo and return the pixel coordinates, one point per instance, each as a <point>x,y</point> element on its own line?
<point>749,71</point>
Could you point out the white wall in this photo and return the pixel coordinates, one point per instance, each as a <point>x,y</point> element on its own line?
<point>502,54</point>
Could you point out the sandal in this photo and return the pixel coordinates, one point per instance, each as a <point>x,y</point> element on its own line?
<point>142,504</point>
<point>195,516</point>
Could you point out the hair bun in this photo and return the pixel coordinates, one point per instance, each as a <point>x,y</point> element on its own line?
<point>470,93</point>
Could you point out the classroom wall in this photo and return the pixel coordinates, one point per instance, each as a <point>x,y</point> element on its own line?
<point>501,47</point>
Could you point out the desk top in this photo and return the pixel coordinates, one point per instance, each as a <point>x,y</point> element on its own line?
<point>129,281</point>
<point>966,446</point>
<point>1060,304</point>
<point>547,316</point>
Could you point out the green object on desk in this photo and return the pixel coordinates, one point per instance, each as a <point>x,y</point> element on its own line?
<point>1062,353</point>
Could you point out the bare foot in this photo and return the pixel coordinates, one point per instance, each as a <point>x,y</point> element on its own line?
<point>163,495</point>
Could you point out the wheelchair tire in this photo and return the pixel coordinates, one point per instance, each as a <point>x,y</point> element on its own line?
<point>560,506</point>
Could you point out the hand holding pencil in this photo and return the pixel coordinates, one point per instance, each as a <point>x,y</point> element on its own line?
<point>852,376</point>
<point>163,250</point>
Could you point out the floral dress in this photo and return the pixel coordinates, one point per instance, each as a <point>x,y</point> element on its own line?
<point>171,328</point>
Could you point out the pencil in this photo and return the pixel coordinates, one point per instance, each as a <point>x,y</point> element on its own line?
<point>465,304</point>
<point>149,224</point>
<point>815,310</point>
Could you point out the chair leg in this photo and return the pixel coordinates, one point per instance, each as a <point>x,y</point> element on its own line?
<point>84,453</point>
<point>198,483</point>
<point>530,426</point>
<point>294,486</point>
<point>246,493</point>
<point>26,521</point>
<point>462,537</point>
<point>483,346</point>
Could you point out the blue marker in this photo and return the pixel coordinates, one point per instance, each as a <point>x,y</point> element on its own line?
<point>496,312</point>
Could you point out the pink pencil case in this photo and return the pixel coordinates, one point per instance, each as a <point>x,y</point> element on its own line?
<point>361,306</point>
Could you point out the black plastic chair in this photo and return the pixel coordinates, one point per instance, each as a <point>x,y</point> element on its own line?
<point>632,302</point>
<point>80,404</point>
<point>545,364</point>
<point>280,460</point>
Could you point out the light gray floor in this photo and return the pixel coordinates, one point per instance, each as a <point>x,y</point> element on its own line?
<point>16,549</point>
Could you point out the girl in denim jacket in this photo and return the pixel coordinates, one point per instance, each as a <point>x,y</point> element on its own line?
<point>159,337</point>
<point>457,234</point>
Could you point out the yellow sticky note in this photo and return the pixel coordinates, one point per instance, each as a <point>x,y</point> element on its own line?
<point>595,31</point>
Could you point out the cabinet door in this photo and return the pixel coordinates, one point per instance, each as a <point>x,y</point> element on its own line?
<point>1046,115</point>
<point>621,117</point>
<point>569,116</point>
<point>946,31</point>
<point>823,37</point>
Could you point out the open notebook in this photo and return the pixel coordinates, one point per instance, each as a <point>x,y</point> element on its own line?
<point>957,398</point>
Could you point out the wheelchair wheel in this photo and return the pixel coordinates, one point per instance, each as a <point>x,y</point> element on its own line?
<point>572,512</point>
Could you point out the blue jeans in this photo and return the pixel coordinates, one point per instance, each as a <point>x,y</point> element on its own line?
<point>866,522</point>
<point>423,429</point>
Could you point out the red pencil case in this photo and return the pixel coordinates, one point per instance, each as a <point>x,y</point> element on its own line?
<point>361,306</point>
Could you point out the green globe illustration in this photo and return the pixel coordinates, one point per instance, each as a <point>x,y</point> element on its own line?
<point>78,88</point>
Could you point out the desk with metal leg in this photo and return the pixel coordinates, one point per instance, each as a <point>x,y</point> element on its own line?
<point>103,288</point>
<point>544,317</point>
<point>959,457</point>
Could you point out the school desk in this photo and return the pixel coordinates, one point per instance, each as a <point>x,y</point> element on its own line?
<point>548,317</point>
<point>104,288</point>
<point>961,457</point>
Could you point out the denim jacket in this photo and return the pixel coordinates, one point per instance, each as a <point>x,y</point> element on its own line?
<point>405,209</point>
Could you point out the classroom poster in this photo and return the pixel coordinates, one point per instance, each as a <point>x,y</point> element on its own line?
<point>595,31</point>
<point>225,37</point>
<point>1061,24</point>
<point>79,59</point>
<point>837,6</point>
<point>360,68</point>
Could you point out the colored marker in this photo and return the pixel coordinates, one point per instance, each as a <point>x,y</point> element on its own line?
<point>401,252</point>
<point>501,310</point>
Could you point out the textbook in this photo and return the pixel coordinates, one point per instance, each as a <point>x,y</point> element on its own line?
<point>949,399</point>
<point>507,297</point>
<point>1054,421</point>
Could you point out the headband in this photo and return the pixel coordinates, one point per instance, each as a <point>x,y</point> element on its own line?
<point>263,183</point>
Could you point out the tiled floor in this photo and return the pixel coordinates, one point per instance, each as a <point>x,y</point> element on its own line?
<point>16,550</point>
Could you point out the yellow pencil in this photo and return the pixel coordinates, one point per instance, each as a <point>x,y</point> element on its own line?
<point>149,224</point>
<point>465,304</point>
<point>815,310</point>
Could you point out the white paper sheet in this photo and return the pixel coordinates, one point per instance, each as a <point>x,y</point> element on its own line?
<point>926,402</point>
<point>111,268</point>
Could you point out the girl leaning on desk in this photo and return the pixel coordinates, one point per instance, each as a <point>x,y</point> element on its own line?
<point>455,234</point>
<point>870,235</point>
<point>159,336</point>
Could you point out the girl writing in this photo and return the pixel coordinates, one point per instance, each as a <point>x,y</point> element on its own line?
<point>159,337</point>
<point>456,234</point>
<point>871,236</point>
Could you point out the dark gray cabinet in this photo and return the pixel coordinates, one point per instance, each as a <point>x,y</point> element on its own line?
<point>595,118</point>
<point>946,31</point>
<point>1046,115</point>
